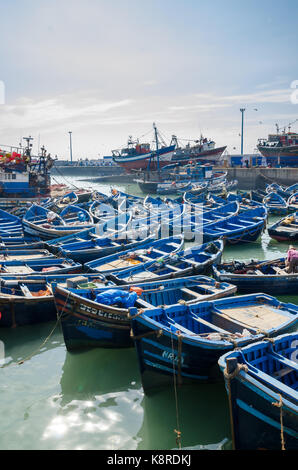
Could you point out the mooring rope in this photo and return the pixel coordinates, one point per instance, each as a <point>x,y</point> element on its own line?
<point>279,405</point>
<point>176,431</point>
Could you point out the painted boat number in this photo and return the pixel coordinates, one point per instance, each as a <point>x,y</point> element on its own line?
<point>100,313</point>
<point>172,357</point>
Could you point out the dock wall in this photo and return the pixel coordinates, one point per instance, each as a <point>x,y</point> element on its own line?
<point>257,178</point>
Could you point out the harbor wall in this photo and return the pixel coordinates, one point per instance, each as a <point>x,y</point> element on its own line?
<point>90,170</point>
<point>257,178</point>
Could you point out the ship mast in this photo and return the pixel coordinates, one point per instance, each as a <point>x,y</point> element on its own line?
<point>156,141</point>
<point>29,146</point>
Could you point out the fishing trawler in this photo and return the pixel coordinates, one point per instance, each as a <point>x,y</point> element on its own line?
<point>203,151</point>
<point>280,148</point>
<point>138,156</point>
<point>24,177</point>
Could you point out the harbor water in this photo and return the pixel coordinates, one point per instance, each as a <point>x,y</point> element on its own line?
<point>52,399</point>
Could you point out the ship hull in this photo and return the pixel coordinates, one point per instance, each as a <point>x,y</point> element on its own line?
<point>141,162</point>
<point>210,156</point>
<point>284,156</point>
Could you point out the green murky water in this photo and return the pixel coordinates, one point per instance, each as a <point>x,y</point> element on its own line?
<point>94,400</point>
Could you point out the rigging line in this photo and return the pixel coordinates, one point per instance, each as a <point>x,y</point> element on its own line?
<point>65,178</point>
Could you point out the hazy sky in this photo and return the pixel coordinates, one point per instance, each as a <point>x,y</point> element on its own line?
<point>107,69</point>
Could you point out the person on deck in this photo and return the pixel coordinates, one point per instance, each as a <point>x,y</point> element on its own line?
<point>292,260</point>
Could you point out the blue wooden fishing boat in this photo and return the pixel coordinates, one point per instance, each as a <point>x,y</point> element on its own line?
<point>76,216</point>
<point>46,265</point>
<point>270,277</point>
<point>149,250</point>
<point>244,202</point>
<point>112,227</point>
<point>275,204</point>
<point>262,386</point>
<point>244,227</point>
<point>193,224</point>
<point>41,222</point>
<point>198,188</point>
<point>293,203</point>
<point>38,221</point>
<point>158,204</point>
<point>273,187</point>
<point>186,341</point>
<point>10,225</point>
<point>120,195</point>
<point>258,195</point>
<point>135,207</point>
<point>102,211</point>
<point>20,242</point>
<point>195,260</point>
<point>222,188</point>
<point>27,300</point>
<point>285,229</point>
<point>279,189</point>
<point>83,194</point>
<point>174,187</point>
<point>202,202</point>
<point>63,201</point>
<point>84,251</point>
<point>98,196</point>
<point>292,189</point>
<point>99,317</point>
<point>10,254</point>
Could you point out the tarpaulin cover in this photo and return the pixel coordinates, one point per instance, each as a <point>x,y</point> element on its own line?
<point>117,296</point>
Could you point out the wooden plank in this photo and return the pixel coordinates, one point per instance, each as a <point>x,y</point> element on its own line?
<point>279,270</point>
<point>283,372</point>
<point>18,269</point>
<point>263,316</point>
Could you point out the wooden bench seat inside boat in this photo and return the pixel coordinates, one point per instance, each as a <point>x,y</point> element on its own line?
<point>18,269</point>
<point>261,317</point>
<point>211,325</point>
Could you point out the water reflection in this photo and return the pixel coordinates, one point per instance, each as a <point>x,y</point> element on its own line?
<point>202,416</point>
<point>25,342</point>
<point>95,372</point>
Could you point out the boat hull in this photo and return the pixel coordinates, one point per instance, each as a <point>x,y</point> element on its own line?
<point>141,162</point>
<point>162,356</point>
<point>210,156</point>
<point>89,325</point>
<point>263,410</point>
<point>258,422</point>
<point>27,312</point>
<point>273,285</point>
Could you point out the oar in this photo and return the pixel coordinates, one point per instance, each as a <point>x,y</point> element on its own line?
<point>273,261</point>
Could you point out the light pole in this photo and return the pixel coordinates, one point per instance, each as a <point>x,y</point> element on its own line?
<point>70,142</point>
<point>242,111</point>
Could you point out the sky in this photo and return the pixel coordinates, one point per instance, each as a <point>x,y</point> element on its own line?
<point>107,69</point>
